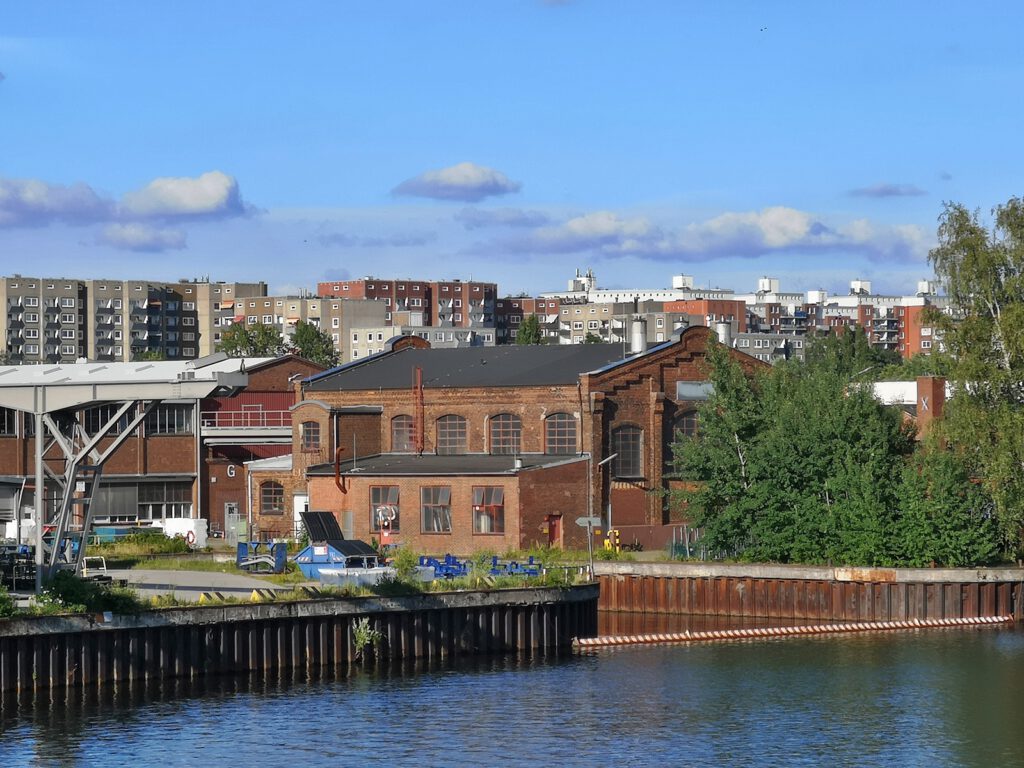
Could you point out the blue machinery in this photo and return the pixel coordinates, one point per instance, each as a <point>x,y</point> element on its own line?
<point>451,567</point>
<point>261,557</point>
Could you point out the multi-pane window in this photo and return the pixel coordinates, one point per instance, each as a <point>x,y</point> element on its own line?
<point>159,501</point>
<point>506,433</point>
<point>271,498</point>
<point>451,435</point>
<point>488,509</point>
<point>169,420</point>
<point>310,435</point>
<point>688,424</point>
<point>436,508</point>
<point>97,416</point>
<point>560,434</point>
<point>384,507</point>
<point>402,434</point>
<point>627,442</point>
<point>8,422</point>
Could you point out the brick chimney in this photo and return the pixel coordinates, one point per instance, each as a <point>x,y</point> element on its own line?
<point>931,401</point>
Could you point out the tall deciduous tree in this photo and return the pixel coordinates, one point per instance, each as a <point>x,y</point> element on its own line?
<point>983,274</point>
<point>529,331</point>
<point>314,344</point>
<point>802,464</point>
<point>256,340</point>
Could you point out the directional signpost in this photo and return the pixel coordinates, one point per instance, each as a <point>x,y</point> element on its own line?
<point>590,523</point>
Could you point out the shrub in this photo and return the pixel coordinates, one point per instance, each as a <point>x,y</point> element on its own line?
<point>7,607</point>
<point>73,594</point>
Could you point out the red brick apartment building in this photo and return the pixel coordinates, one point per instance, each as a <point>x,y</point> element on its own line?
<point>451,303</point>
<point>461,450</point>
<point>186,458</point>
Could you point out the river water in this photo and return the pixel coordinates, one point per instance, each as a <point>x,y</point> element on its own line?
<point>927,698</point>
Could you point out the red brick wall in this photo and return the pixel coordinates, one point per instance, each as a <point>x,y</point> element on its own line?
<point>553,491</point>
<point>269,525</point>
<point>325,496</point>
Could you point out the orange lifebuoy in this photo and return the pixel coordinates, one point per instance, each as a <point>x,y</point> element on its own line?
<point>190,538</point>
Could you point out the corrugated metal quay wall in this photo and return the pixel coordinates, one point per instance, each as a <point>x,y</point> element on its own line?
<point>56,652</point>
<point>819,594</point>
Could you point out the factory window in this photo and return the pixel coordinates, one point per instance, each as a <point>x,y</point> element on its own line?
<point>271,498</point>
<point>506,433</point>
<point>169,420</point>
<point>384,507</point>
<point>488,509</point>
<point>97,416</point>
<point>309,432</point>
<point>159,501</point>
<point>627,442</point>
<point>560,434</point>
<point>451,435</point>
<point>402,434</point>
<point>687,423</point>
<point>8,422</point>
<point>436,508</point>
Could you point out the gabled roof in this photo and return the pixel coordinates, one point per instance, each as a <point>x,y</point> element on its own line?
<point>503,366</point>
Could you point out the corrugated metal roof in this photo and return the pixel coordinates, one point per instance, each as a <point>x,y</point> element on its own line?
<point>503,366</point>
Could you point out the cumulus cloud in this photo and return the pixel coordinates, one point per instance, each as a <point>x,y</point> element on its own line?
<point>888,190</point>
<point>141,237</point>
<point>480,218</point>
<point>33,203</point>
<point>744,234</point>
<point>211,195</point>
<point>341,240</point>
<point>467,182</point>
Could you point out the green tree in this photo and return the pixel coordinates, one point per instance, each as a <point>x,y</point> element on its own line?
<point>795,465</point>
<point>982,270</point>
<point>851,354</point>
<point>592,338</point>
<point>150,355</point>
<point>256,340</point>
<point>314,344</point>
<point>529,331</point>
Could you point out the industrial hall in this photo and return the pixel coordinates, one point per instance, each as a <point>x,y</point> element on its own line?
<point>491,449</point>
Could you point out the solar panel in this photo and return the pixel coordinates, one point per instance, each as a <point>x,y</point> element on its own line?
<point>321,526</point>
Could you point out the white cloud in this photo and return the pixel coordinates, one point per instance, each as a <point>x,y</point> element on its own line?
<point>141,237</point>
<point>467,182</point>
<point>211,195</point>
<point>33,203</point>
<point>741,234</point>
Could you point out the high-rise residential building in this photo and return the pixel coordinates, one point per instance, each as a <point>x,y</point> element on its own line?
<point>51,320</point>
<point>447,303</point>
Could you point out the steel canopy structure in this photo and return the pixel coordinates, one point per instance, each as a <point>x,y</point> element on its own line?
<point>133,389</point>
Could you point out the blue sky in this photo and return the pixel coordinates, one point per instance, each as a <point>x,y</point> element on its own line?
<point>505,141</point>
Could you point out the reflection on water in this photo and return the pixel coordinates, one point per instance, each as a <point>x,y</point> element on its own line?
<point>934,698</point>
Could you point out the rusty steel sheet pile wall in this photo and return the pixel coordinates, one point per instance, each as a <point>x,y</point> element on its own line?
<point>818,599</point>
<point>57,652</point>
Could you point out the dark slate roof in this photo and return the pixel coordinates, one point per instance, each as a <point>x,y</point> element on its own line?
<point>430,464</point>
<point>508,365</point>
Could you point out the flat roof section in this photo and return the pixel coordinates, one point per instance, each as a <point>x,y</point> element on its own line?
<point>49,388</point>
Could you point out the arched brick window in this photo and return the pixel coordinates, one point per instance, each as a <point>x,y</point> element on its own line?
<point>687,424</point>
<point>560,434</point>
<point>271,498</point>
<point>506,433</point>
<point>628,443</point>
<point>451,435</point>
<point>402,435</point>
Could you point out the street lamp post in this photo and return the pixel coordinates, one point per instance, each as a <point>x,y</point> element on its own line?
<point>590,502</point>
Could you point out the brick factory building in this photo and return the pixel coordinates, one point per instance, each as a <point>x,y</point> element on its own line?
<point>461,450</point>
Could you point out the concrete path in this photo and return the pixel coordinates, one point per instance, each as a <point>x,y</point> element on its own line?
<point>189,585</point>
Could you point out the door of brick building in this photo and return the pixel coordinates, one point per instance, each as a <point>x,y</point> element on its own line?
<point>554,530</point>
